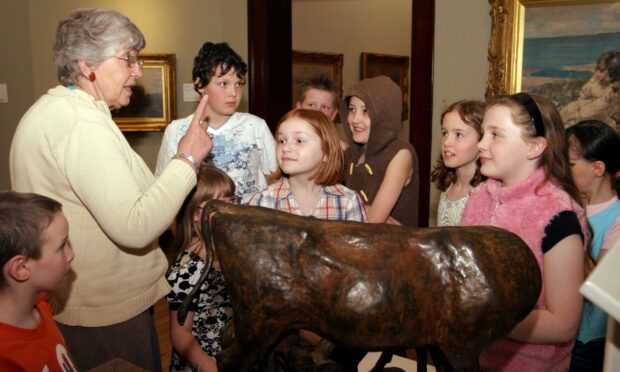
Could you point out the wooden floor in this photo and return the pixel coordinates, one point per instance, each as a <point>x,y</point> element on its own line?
<point>163,332</point>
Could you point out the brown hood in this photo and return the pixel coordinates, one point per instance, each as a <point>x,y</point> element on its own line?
<point>383,99</point>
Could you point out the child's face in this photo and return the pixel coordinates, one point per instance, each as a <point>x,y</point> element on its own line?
<point>48,272</point>
<point>225,94</point>
<point>583,171</point>
<point>299,148</point>
<point>458,141</point>
<point>321,100</point>
<point>359,121</point>
<point>503,151</point>
<point>602,76</point>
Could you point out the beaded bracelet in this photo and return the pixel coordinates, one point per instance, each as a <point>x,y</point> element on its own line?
<point>189,158</point>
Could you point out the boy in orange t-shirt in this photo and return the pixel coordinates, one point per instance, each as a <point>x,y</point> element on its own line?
<point>34,255</point>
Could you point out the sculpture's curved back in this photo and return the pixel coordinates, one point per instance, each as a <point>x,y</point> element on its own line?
<point>369,286</point>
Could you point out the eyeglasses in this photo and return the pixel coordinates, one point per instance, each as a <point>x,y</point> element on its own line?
<point>132,61</point>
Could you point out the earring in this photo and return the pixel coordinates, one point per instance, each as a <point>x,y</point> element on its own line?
<point>92,77</point>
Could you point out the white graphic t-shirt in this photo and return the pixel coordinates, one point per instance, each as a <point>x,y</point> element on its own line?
<point>243,147</point>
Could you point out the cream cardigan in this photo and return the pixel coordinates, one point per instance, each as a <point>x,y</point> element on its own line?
<point>68,148</point>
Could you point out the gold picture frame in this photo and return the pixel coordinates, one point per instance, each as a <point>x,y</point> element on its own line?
<point>395,67</point>
<point>308,64</point>
<point>153,100</point>
<point>506,46</point>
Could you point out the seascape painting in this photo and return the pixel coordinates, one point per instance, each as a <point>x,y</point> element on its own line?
<point>562,45</point>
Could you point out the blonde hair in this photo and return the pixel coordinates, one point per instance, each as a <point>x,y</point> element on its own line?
<point>319,82</point>
<point>332,169</point>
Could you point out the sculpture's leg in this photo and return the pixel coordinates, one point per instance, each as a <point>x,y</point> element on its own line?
<point>440,360</point>
<point>421,358</point>
<point>245,352</point>
<point>384,358</point>
<point>455,358</point>
<point>230,358</point>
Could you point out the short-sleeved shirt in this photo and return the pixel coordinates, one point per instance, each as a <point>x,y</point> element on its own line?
<point>39,349</point>
<point>612,235</point>
<point>243,147</point>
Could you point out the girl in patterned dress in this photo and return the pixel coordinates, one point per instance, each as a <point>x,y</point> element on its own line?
<point>198,340</point>
<point>458,170</point>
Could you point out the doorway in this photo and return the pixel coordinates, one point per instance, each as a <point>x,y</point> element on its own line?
<point>270,56</point>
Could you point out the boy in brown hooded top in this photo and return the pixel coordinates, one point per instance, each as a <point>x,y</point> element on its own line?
<point>379,165</point>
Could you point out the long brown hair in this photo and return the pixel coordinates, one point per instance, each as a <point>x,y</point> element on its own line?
<point>213,183</point>
<point>554,159</point>
<point>471,112</point>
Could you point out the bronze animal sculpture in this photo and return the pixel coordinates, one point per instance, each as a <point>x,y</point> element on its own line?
<point>369,286</point>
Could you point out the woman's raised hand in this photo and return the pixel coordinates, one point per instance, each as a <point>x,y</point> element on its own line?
<point>197,142</point>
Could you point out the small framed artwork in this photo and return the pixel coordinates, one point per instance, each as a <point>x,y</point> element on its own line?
<point>553,48</point>
<point>153,99</point>
<point>394,67</point>
<point>309,64</point>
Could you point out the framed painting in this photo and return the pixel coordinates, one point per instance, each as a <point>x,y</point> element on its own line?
<point>309,64</point>
<point>554,48</point>
<point>395,67</point>
<point>153,99</point>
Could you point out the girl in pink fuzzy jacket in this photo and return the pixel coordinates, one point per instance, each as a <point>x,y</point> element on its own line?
<point>530,192</point>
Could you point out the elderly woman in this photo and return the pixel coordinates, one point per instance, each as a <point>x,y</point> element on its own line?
<point>68,148</point>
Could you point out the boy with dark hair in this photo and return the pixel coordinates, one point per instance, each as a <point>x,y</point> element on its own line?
<point>319,93</point>
<point>34,254</point>
<point>243,145</point>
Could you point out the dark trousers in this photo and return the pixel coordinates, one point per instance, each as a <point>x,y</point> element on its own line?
<point>588,357</point>
<point>134,340</point>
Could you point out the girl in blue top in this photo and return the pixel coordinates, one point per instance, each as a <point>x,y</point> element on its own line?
<point>594,154</point>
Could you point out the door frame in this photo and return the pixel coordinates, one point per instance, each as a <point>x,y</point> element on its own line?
<point>270,78</point>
